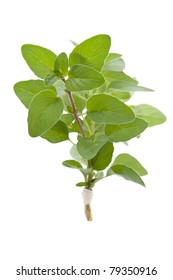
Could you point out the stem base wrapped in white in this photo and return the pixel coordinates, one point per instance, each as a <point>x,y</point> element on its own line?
<point>87,196</point>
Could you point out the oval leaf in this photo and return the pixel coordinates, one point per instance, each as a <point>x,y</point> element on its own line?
<point>131,162</point>
<point>39,59</point>
<point>126,86</point>
<point>114,62</point>
<point>150,114</point>
<point>111,76</point>
<point>125,132</point>
<point>26,90</point>
<point>58,133</point>
<point>126,172</point>
<point>83,78</point>
<point>61,65</point>
<point>103,157</point>
<point>88,147</point>
<point>121,95</point>
<point>45,110</point>
<point>50,80</point>
<point>107,109</point>
<point>72,164</point>
<point>91,52</point>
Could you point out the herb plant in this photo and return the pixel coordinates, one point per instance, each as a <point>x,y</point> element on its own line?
<point>86,94</point>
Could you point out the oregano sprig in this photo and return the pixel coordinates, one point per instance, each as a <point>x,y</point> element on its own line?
<point>86,93</point>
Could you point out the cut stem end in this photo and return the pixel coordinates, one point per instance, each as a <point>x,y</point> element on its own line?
<point>88,212</point>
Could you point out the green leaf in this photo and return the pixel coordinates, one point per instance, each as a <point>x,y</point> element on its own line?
<point>131,162</point>
<point>72,164</point>
<point>103,157</point>
<point>83,78</point>
<point>126,172</point>
<point>126,86</point>
<point>99,176</point>
<point>91,52</point>
<point>104,108</point>
<point>114,62</point>
<point>75,154</point>
<point>121,95</point>
<point>26,90</point>
<point>39,59</point>
<point>50,79</point>
<point>67,119</point>
<point>60,88</point>
<point>81,184</point>
<point>125,132</point>
<point>58,133</point>
<point>45,110</point>
<point>61,65</point>
<point>111,76</point>
<point>150,114</point>
<point>89,147</point>
<point>79,100</point>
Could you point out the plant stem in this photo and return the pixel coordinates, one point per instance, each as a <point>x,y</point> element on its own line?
<point>76,113</point>
<point>88,212</point>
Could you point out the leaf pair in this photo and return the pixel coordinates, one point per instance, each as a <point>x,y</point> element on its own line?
<point>86,61</point>
<point>129,168</point>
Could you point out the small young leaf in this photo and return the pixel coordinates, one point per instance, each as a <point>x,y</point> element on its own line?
<point>107,109</point>
<point>126,86</point>
<point>50,79</point>
<point>131,162</point>
<point>103,157</point>
<point>91,52</point>
<point>88,147</point>
<point>126,172</point>
<point>39,59</point>
<point>83,78</point>
<point>72,164</point>
<point>58,133</point>
<point>125,132</point>
<point>61,65</point>
<point>26,90</point>
<point>81,184</point>
<point>150,114</point>
<point>114,62</point>
<point>45,110</point>
<point>98,176</point>
<point>60,87</point>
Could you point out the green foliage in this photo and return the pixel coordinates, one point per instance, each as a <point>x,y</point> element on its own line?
<point>39,59</point>
<point>150,114</point>
<point>91,52</point>
<point>61,65</point>
<point>83,78</point>
<point>125,132</point>
<point>58,133</point>
<point>126,172</point>
<point>26,90</point>
<point>103,108</point>
<point>103,157</point>
<point>44,111</point>
<point>131,162</point>
<point>89,147</point>
<point>85,93</point>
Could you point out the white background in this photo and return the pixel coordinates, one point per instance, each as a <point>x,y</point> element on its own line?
<point>42,221</point>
